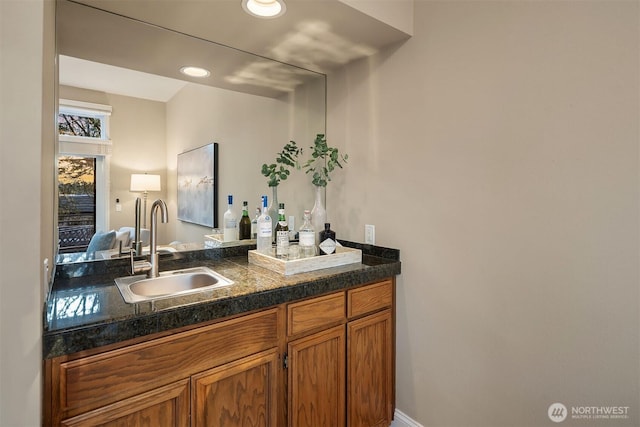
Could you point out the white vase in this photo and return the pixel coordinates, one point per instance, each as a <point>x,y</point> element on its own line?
<point>318,213</point>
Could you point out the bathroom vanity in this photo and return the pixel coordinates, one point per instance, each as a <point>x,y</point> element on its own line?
<point>303,350</point>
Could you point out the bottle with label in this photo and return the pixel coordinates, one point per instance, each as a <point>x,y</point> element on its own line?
<point>307,237</point>
<point>327,244</point>
<point>244,228</point>
<point>254,223</point>
<point>282,234</point>
<point>264,230</point>
<point>230,222</point>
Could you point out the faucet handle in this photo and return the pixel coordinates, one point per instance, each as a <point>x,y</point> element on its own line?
<point>138,266</point>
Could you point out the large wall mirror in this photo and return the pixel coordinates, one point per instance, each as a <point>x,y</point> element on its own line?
<point>126,74</point>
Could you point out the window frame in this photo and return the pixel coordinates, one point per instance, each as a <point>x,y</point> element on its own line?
<point>98,148</point>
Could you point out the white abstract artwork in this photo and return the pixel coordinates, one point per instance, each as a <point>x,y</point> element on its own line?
<point>197,184</point>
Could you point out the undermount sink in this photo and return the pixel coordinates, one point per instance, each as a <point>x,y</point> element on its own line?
<point>135,289</point>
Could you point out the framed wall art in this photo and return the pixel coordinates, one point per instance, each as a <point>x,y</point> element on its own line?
<point>198,186</point>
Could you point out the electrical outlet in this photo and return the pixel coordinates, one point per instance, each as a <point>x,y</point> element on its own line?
<point>370,234</point>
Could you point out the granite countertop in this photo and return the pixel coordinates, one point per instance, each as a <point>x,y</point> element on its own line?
<point>85,309</point>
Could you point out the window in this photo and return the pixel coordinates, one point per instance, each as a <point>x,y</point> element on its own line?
<point>76,125</point>
<point>83,165</point>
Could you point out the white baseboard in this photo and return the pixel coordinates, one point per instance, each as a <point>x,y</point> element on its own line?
<point>400,419</point>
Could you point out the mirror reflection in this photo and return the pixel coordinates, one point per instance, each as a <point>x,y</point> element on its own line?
<point>126,111</point>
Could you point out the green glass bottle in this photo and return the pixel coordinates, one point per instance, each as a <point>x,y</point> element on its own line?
<point>245,223</point>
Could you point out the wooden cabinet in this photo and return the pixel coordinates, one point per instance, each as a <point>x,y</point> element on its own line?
<point>317,379</point>
<point>240,393</point>
<point>370,355</point>
<point>342,375</point>
<point>369,369</point>
<point>79,387</point>
<point>324,361</point>
<point>164,407</point>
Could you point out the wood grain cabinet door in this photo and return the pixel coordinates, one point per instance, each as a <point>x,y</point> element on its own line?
<point>370,371</point>
<point>238,394</point>
<point>167,406</point>
<point>317,379</point>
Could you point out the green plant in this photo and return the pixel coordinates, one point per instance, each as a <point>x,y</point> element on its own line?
<point>279,171</point>
<point>323,161</point>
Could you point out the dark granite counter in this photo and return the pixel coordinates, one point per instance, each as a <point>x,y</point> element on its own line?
<point>85,309</point>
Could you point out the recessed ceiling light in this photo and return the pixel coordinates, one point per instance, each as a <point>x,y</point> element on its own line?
<point>195,71</point>
<point>264,8</point>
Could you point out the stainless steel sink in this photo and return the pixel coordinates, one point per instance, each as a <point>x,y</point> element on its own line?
<point>135,289</point>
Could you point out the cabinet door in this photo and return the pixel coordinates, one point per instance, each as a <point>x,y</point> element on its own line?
<point>370,371</point>
<point>166,406</point>
<point>317,379</point>
<point>238,394</point>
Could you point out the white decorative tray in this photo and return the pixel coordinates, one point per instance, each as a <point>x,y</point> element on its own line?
<point>342,256</point>
<point>217,241</point>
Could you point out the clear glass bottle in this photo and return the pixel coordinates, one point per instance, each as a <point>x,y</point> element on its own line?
<point>244,228</point>
<point>307,237</point>
<point>273,211</point>
<point>282,234</point>
<point>254,223</point>
<point>327,244</point>
<point>264,239</point>
<point>230,222</point>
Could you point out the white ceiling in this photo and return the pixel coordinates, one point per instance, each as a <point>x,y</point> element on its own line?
<point>158,37</point>
<point>120,81</point>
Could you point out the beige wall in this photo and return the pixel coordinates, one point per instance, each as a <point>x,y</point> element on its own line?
<point>250,130</point>
<point>138,133</point>
<point>498,149</point>
<point>26,154</point>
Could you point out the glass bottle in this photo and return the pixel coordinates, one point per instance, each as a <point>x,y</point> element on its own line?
<point>307,237</point>
<point>282,234</point>
<point>264,230</point>
<point>230,222</point>
<point>273,211</point>
<point>327,244</point>
<point>254,223</point>
<point>244,229</point>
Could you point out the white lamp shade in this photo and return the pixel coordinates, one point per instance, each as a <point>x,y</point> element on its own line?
<point>141,182</point>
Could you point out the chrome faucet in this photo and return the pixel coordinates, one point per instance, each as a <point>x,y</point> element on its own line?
<point>137,241</point>
<point>151,266</point>
<point>158,204</point>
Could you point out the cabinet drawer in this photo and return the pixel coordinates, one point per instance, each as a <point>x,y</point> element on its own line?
<point>315,313</point>
<point>368,299</point>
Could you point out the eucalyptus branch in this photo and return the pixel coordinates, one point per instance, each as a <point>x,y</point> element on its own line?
<point>285,159</point>
<point>323,161</point>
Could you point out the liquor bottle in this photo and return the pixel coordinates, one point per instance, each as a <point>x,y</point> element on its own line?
<point>327,244</point>
<point>230,222</point>
<point>282,234</point>
<point>244,229</point>
<point>264,229</point>
<point>254,223</point>
<point>307,237</point>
